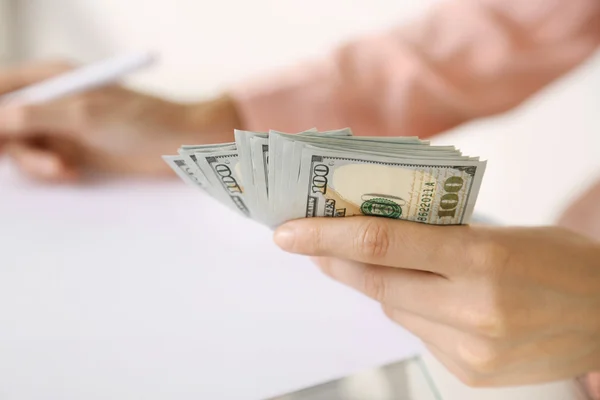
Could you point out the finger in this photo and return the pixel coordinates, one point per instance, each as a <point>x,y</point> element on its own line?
<point>375,240</point>
<point>424,330</point>
<point>430,332</point>
<point>14,78</point>
<point>470,358</point>
<point>59,117</point>
<point>442,341</point>
<point>40,163</point>
<point>592,383</point>
<point>420,293</point>
<point>459,371</point>
<point>481,361</point>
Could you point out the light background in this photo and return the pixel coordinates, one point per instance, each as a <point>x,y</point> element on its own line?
<point>539,156</point>
<point>99,297</point>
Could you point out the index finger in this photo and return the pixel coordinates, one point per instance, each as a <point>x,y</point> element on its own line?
<point>380,241</point>
<point>18,77</point>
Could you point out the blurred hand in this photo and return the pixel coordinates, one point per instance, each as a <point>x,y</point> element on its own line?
<point>497,306</point>
<point>583,216</point>
<point>111,129</point>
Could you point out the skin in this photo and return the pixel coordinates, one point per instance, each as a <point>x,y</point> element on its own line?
<point>583,216</point>
<point>109,130</point>
<point>498,306</point>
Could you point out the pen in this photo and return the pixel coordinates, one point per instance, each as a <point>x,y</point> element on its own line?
<point>80,80</point>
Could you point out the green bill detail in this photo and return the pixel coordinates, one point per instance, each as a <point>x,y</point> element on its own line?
<point>380,207</point>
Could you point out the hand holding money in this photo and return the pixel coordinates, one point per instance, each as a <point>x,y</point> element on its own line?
<point>497,306</point>
<point>276,177</point>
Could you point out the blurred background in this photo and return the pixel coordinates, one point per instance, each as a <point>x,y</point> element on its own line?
<point>539,156</point>
<point>107,290</point>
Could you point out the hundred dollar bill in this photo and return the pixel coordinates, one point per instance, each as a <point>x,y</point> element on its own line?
<point>343,184</point>
<point>274,177</point>
<point>282,170</point>
<point>223,171</point>
<point>259,152</point>
<point>187,172</point>
<point>253,155</point>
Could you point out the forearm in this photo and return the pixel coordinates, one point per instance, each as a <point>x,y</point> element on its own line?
<point>466,59</point>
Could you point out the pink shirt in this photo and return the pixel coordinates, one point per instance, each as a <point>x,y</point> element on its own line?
<point>465,59</point>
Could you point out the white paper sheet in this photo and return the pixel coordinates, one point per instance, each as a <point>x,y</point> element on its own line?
<point>151,290</point>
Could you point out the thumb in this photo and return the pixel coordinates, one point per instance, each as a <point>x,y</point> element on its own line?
<point>60,117</point>
<point>21,119</point>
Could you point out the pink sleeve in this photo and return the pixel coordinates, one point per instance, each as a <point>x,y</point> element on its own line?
<point>465,59</point>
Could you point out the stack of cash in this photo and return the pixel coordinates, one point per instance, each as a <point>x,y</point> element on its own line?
<point>275,177</point>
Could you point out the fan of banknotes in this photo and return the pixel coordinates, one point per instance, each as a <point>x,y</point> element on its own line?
<point>275,177</point>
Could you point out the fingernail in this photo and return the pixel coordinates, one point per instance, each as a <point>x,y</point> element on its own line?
<point>284,237</point>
